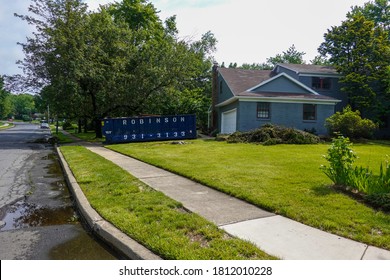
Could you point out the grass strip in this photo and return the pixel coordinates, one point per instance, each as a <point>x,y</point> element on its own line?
<point>62,138</point>
<point>4,126</point>
<point>284,179</point>
<point>148,216</point>
<point>87,136</point>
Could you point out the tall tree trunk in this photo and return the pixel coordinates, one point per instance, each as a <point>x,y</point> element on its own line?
<point>97,118</point>
<point>98,128</point>
<point>79,125</point>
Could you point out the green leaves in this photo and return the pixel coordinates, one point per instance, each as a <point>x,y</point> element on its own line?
<point>350,124</point>
<point>360,50</point>
<point>341,158</point>
<point>292,55</point>
<point>5,102</point>
<point>341,171</point>
<point>113,62</point>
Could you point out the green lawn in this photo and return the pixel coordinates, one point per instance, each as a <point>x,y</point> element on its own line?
<point>4,126</point>
<point>62,138</point>
<point>148,216</point>
<point>284,179</point>
<point>87,136</point>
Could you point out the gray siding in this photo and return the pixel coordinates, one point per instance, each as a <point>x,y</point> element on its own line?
<point>334,91</point>
<point>224,93</point>
<point>286,114</point>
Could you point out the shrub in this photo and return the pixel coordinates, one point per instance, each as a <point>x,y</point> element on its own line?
<point>271,135</point>
<point>26,118</point>
<point>381,200</point>
<point>350,124</point>
<point>382,182</point>
<point>67,125</point>
<point>376,189</point>
<point>341,158</point>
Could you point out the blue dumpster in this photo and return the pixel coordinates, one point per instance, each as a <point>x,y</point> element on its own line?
<point>150,128</point>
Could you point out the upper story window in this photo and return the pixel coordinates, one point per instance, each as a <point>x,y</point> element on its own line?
<point>321,83</point>
<point>263,110</point>
<point>220,87</point>
<point>309,112</point>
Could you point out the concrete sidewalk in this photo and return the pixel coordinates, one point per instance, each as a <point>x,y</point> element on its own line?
<point>272,233</point>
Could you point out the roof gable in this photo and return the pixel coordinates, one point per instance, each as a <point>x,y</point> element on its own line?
<point>282,83</point>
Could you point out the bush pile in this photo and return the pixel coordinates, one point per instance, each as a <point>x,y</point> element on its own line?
<point>272,134</point>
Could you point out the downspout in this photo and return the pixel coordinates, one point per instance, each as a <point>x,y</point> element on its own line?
<point>214,117</point>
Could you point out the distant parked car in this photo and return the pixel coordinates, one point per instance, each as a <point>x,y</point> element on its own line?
<point>45,125</point>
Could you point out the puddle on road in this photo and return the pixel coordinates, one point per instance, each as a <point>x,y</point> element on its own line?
<point>23,214</point>
<point>47,203</point>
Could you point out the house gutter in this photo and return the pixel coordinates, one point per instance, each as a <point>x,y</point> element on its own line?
<point>278,100</point>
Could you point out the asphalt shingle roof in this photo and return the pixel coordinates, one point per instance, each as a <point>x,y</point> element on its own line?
<point>310,69</point>
<point>239,80</point>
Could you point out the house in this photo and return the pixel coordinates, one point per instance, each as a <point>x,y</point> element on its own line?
<point>292,95</point>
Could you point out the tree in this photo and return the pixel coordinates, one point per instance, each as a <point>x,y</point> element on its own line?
<point>5,103</point>
<point>54,54</point>
<point>166,75</point>
<point>320,60</point>
<point>23,106</point>
<point>360,51</point>
<point>256,66</point>
<point>377,11</point>
<point>52,51</point>
<point>113,62</point>
<point>292,55</point>
<point>138,14</point>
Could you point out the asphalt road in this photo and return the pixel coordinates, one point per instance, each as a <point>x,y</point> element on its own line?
<point>37,217</point>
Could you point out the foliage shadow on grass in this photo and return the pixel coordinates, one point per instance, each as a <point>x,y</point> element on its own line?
<point>323,190</point>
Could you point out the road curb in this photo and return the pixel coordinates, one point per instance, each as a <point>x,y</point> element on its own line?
<point>102,228</point>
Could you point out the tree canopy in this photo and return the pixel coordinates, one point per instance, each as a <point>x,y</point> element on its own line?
<point>23,106</point>
<point>360,50</point>
<point>5,102</point>
<point>119,61</point>
<point>291,55</point>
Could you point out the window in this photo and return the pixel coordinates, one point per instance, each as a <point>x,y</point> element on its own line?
<point>263,110</point>
<point>220,87</point>
<point>309,112</point>
<point>321,83</point>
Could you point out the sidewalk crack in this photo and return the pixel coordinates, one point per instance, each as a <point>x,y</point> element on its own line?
<point>364,253</point>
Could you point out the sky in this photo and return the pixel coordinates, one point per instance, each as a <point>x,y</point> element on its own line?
<point>248,31</point>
